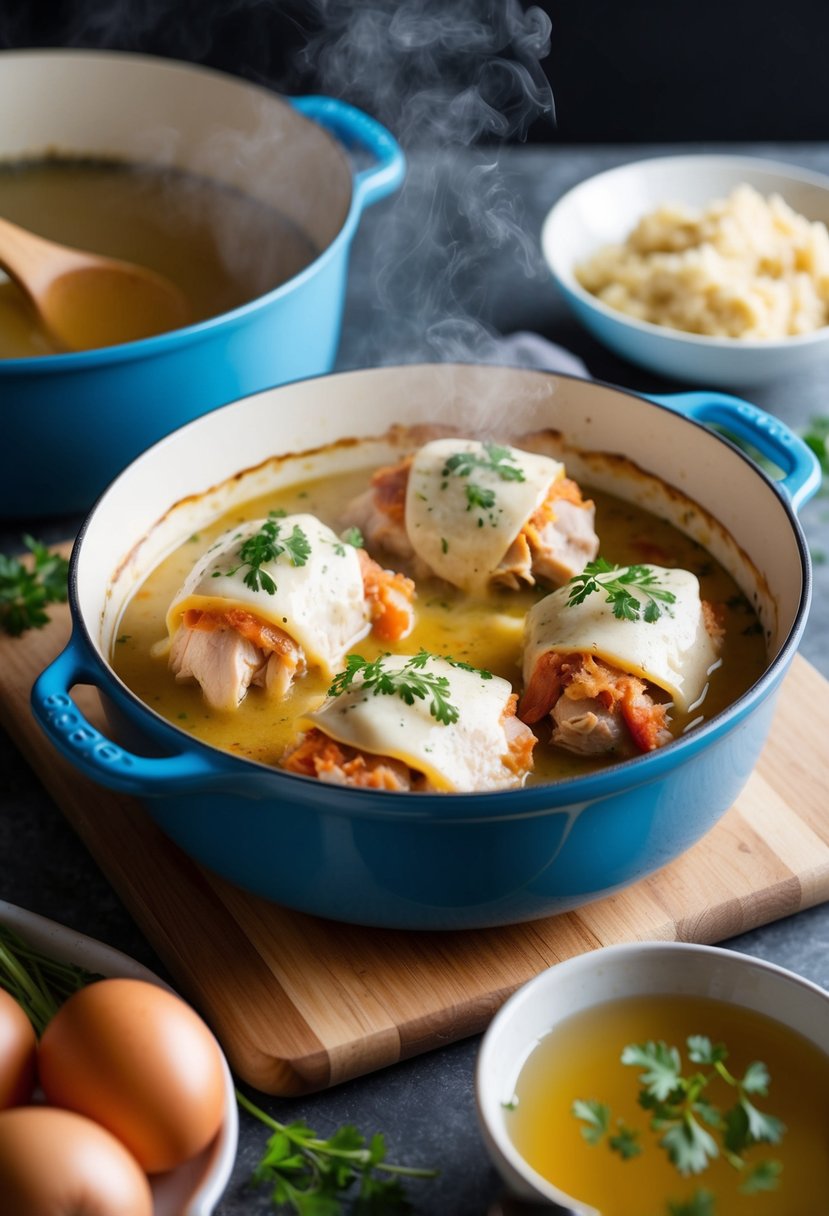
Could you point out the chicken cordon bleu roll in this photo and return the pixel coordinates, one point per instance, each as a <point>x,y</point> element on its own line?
<point>415,722</point>
<point>478,514</point>
<point>274,597</point>
<point>610,654</point>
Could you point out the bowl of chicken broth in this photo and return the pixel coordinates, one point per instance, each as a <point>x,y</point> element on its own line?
<point>661,1078</point>
<point>245,201</point>
<point>481,659</point>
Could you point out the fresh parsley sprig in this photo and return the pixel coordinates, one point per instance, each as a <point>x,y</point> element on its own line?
<point>409,682</point>
<point>28,587</point>
<point>319,1177</point>
<point>600,575</point>
<point>681,1116</point>
<point>266,546</point>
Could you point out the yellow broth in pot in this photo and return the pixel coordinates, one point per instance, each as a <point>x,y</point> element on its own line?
<point>220,247</point>
<point>486,633</point>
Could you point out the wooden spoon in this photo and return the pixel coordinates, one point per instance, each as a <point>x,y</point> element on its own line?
<point>86,301</point>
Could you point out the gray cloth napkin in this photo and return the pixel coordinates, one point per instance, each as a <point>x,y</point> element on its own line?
<point>525,349</point>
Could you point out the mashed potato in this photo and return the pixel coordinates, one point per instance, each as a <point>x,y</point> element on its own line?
<point>745,267</point>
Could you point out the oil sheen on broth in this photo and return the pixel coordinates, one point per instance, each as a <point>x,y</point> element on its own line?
<point>219,246</point>
<point>487,634</point>
<point>580,1060</point>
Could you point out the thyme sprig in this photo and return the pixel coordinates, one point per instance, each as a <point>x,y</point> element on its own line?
<point>600,575</point>
<point>409,682</point>
<point>264,547</point>
<point>28,587</point>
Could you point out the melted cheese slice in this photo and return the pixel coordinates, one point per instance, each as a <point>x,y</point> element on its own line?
<point>674,652</point>
<point>462,542</point>
<point>321,604</point>
<point>462,755</point>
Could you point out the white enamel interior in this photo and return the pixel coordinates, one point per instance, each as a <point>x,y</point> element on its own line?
<point>147,110</point>
<point>603,210</point>
<point>742,521</point>
<point>612,973</point>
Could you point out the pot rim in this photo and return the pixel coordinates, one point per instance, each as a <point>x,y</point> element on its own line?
<point>529,801</point>
<point>161,344</point>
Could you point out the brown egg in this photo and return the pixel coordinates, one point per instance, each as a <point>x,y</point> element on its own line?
<point>18,1052</point>
<point>139,1061</point>
<point>57,1163</point>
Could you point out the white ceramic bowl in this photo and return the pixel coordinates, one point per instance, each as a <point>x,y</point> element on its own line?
<point>194,1188</point>
<point>604,209</point>
<point>614,972</point>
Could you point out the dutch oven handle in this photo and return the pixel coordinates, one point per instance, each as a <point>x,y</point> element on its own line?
<point>98,757</point>
<point>354,128</point>
<point>800,468</point>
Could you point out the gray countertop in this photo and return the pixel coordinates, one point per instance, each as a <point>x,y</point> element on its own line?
<point>438,272</point>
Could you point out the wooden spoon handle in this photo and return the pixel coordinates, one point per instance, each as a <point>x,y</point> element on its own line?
<point>32,261</point>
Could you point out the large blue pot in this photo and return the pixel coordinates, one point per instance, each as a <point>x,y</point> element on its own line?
<point>73,421</point>
<point>437,860</point>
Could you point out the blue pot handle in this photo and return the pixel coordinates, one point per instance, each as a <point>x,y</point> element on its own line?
<point>796,460</point>
<point>357,129</point>
<point>95,755</point>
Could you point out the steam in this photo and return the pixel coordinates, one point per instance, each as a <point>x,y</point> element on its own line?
<point>436,72</point>
<point>454,80</point>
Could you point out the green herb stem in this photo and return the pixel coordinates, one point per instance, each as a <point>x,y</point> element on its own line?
<point>38,983</point>
<point>362,1155</point>
<point>312,1175</point>
<point>678,1108</point>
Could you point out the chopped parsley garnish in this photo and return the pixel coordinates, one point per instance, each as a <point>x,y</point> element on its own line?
<point>600,575</point>
<point>353,536</point>
<point>496,459</point>
<point>266,546</point>
<point>26,589</point>
<point>409,682</point>
<point>479,496</point>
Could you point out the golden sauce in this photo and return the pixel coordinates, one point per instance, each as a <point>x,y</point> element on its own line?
<point>486,634</point>
<point>220,247</point>
<point>580,1060</point>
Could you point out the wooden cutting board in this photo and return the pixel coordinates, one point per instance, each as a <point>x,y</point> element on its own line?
<point>301,1003</point>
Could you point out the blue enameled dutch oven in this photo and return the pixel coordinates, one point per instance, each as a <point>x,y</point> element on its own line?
<point>436,860</point>
<point>73,421</point>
